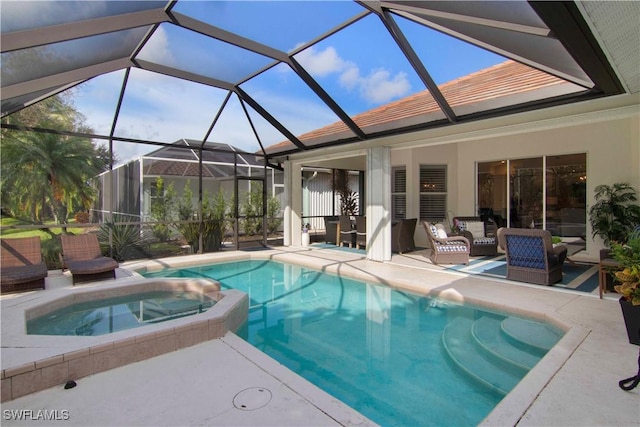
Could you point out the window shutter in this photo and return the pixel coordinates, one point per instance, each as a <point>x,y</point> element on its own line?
<point>433,193</point>
<point>399,193</point>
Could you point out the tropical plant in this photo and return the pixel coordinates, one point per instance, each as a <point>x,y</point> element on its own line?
<point>48,174</point>
<point>214,210</point>
<point>348,198</point>
<point>123,240</point>
<point>252,210</point>
<point>627,255</point>
<point>189,230</point>
<point>162,206</point>
<point>615,212</point>
<point>273,215</point>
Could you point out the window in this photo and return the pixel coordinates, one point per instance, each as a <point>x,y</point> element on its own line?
<point>433,193</point>
<point>399,193</point>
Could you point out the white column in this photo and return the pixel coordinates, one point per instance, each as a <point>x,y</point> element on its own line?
<point>292,204</point>
<point>379,204</point>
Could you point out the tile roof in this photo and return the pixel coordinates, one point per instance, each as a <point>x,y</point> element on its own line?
<point>505,79</point>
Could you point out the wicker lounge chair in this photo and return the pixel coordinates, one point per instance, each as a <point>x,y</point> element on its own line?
<point>22,265</point>
<point>531,257</point>
<point>361,231</point>
<point>347,232</point>
<point>446,250</point>
<point>402,232</point>
<point>82,256</point>
<point>481,235</point>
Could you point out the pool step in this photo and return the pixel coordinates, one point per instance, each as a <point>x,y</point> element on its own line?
<point>492,342</point>
<point>458,342</point>
<point>497,352</point>
<point>529,335</point>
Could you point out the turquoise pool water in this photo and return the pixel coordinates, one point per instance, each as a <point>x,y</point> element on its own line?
<point>116,314</point>
<point>398,358</point>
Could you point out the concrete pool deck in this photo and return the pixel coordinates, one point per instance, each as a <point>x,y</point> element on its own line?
<point>575,384</point>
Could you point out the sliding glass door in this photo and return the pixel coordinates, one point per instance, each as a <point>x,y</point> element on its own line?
<point>541,192</point>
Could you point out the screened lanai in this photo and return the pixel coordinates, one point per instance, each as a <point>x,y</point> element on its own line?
<point>281,78</point>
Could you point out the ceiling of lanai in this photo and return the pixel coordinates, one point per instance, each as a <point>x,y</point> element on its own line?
<point>287,76</point>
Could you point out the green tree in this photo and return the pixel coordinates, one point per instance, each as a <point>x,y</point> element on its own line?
<point>47,174</point>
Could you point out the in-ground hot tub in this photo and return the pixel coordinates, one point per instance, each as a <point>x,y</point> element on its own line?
<point>83,315</point>
<point>46,360</point>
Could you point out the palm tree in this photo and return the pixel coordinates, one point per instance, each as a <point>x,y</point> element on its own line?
<point>48,170</point>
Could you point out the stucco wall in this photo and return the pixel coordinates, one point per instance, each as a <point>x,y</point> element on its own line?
<point>612,148</point>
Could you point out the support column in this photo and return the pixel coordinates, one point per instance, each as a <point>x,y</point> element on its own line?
<point>378,184</point>
<point>292,204</point>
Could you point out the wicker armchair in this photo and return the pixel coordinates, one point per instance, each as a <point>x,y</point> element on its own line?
<point>531,257</point>
<point>22,265</point>
<point>402,232</point>
<point>82,256</point>
<point>481,235</point>
<point>331,229</point>
<point>347,232</point>
<point>361,231</point>
<point>446,250</point>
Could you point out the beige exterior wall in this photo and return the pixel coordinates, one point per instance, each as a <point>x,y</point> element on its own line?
<point>612,146</point>
<point>607,130</point>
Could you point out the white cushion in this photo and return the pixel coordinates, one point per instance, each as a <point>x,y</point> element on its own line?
<point>442,234</point>
<point>476,228</point>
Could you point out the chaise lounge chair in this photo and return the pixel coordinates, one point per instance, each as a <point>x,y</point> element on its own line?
<point>444,249</point>
<point>531,257</point>
<point>81,255</point>
<point>22,265</point>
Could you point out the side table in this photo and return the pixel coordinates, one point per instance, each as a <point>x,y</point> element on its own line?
<point>602,273</point>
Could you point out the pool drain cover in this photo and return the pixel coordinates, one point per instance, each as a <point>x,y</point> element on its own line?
<point>252,398</point>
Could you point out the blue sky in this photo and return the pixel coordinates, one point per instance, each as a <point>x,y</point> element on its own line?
<point>360,67</point>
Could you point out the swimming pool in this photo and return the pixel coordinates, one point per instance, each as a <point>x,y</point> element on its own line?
<point>396,357</point>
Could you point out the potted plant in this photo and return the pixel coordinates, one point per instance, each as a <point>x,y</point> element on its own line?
<point>612,217</point>
<point>615,212</point>
<point>627,255</point>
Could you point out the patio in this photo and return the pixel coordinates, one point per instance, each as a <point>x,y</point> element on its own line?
<point>567,388</point>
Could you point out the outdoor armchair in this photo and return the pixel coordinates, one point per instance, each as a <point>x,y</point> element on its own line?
<point>22,268</point>
<point>445,249</point>
<point>531,257</point>
<point>331,229</point>
<point>402,232</point>
<point>82,256</point>
<point>347,232</point>
<point>481,235</point>
<point>361,231</point>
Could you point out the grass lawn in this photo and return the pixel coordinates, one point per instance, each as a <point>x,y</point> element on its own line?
<point>17,232</point>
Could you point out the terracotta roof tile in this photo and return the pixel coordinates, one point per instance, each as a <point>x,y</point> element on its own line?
<point>507,78</point>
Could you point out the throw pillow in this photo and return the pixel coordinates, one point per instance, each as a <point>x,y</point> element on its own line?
<point>476,228</point>
<point>442,233</point>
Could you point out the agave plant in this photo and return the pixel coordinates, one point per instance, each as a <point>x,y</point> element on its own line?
<point>126,240</point>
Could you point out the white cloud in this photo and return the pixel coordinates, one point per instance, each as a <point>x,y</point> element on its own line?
<point>157,49</point>
<point>378,87</point>
<point>321,63</point>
